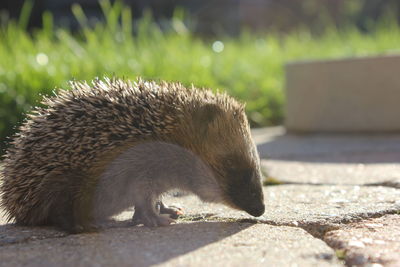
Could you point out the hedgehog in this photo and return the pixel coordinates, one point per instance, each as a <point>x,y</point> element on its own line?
<point>97,149</point>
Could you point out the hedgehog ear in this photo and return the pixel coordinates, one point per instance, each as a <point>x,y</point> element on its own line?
<point>204,115</point>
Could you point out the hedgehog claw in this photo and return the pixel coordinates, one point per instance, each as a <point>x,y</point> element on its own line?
<point>151,220</point>
<point>172,211</point>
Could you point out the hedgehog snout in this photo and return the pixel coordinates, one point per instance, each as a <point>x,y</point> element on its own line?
<point>245,191</point>
<point>256,210</point>
<point>253,204</point>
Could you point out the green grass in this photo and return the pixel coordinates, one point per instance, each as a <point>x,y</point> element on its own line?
<point>250,67</point>
<point>341,254</point>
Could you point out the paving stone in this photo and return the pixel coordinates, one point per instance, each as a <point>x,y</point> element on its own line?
<point>372,241</point>
<point>328,158</point>
<point>185,244</point>
<point>299,205</point>
<point>12,234</point>
<point>333,173</point>
<point>295,205</point>
<point>343,95</point>
<point>320,207</point>
<point>274,143</point>
<point>211,234</point>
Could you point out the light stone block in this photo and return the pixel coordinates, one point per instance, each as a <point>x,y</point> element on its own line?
<point>347,95</point>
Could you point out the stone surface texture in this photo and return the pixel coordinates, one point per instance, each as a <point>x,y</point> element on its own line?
<point>375,240</point>
<point>346,95</point>
<point>337,204</point>
<point>184,244</point>
<point>294,204</point>
<point>329,158</point>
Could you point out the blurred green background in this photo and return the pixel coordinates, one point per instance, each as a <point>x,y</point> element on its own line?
<point>247,62</point>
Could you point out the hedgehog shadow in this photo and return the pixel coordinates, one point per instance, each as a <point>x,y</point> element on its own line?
<point>140,245</point>
<point>12,233</point>
<point>329,148</point>
<point>166,243</point>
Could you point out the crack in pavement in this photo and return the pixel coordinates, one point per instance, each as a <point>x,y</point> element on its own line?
<point>317,229</point>
<point>277,182</point>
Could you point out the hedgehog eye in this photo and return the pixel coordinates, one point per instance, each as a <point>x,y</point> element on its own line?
<point>232,160</point>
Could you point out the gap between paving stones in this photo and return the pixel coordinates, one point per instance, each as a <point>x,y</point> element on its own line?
<point>371,241</point>
<point>200,218</point>
<point>273,182</point>
<point>322,210</point>
<point>314,229</point>
<point>366,161</point>
<point>317,229</point>
<point>218,243</point>
<point>322,231</point>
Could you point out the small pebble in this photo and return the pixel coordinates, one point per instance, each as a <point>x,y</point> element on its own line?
<point>355,243</point>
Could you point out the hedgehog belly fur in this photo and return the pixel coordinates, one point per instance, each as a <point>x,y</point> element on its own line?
<point>141,174</point>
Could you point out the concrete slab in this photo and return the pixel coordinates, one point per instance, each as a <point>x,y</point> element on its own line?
<point>12,234</point>
<point>186,244</point>
<point>303,204</point>
<point>372,241</point>
<point>333,173</point>
<point>317,208</point>
<point>275,143</point>
<point>211,234</point>
<point>345,95</point>
<point>324,158</point>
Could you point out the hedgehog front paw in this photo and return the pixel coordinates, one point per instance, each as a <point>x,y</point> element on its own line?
<point>150,219</point>
<point>172,211</point>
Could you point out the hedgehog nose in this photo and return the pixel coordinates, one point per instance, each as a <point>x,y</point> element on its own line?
<point>257,211</point>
